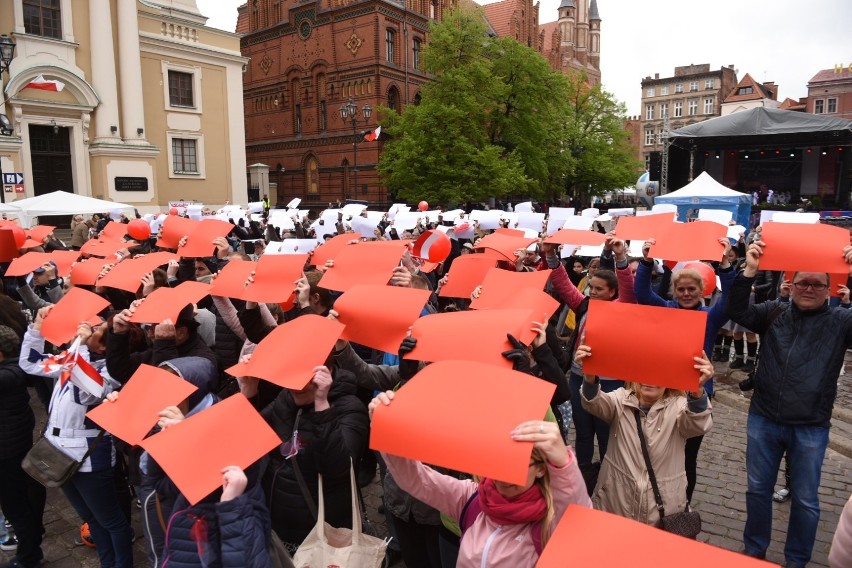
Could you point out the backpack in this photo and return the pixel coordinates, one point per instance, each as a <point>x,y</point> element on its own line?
<point>471,511</point>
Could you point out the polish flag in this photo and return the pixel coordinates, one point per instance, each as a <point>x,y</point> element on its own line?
<point>84,376</point>
<point>45,84</point>
<point>373,134</point>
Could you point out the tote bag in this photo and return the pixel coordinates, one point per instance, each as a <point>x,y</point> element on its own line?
<point>329,547</point>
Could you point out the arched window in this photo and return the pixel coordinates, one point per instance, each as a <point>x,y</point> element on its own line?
<point>417,99</point>
<point>393,99</point>
<point>312,178</point>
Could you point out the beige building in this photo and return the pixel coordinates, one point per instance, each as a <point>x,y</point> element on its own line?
<point>151,108</point>
<point>751,94</point>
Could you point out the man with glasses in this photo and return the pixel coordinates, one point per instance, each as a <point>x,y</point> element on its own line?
<point>803,343</point>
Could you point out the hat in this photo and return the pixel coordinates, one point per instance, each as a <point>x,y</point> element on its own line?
<point>186,318</point>
<point>40,269</point>
<point>10,343</point>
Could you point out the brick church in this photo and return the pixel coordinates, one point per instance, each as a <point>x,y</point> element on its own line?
<point>310,58</point>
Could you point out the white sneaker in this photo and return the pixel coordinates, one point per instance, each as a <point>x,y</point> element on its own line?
<point>10,544</point>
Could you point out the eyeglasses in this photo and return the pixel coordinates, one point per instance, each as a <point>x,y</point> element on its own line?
<point>817,286</point>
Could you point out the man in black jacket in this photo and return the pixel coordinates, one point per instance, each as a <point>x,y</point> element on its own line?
<point>795,384</point>
<point>21,497</point>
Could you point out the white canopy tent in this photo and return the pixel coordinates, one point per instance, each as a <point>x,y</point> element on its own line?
<point>704,192</point>
<point>63,203</point>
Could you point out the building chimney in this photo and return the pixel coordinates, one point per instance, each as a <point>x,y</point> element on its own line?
<point>656,75</point>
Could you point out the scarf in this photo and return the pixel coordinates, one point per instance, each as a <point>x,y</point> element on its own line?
<point>528,507</point>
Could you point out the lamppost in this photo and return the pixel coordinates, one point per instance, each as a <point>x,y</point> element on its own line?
<point>7,52</point>
<point>349,111</point>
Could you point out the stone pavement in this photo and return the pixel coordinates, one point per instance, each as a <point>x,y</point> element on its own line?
<point>719,496</point>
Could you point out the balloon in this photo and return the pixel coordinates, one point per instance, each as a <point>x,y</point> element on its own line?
<point>19,234</point>
<point>423,206</point>
<point>139,229</point>
<point>707,274</point>
<point>173,211</point>
<point>433,246</point>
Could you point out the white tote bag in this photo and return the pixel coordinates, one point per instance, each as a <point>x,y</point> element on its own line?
<point>329,547</point>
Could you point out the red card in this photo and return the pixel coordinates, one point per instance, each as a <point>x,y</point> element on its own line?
<point>288,355</point>
<point>330,248</point>
<point>85,272</point>
<point>505,245</point>
<point>275,277</point>
<point>230,282</point>
<point>114,230</point>
<point>466,273</point>
<point>194,452</point>
<point>166,303</point>
<point>25,264</point>
<point>174,229</point>
<point>379,316</point>
<point>542,305</point>
<point>39,232</point>
<point>8,247</point>
<point>623,347</point>
<point>64,259</point>
<point>104,247</point>
<point>804,247</point>
<point>576,237</point>
<point>470,430</point>
<point>200,241</point>
<point>585,536</point>
<point>148,391</point>
<point>127,275</point>
<point>499,286</point>
<point>76,306</point>
<point>473,335</point>
<point>643,228</point>
<point>509,232</point>
<point>362,263</point>
<point>690,241</point>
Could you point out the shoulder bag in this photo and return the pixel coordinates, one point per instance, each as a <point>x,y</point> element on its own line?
<point>50,466</point>
<point>686,523</point>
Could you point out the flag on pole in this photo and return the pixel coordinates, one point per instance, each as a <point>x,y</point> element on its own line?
<point>45,84</point>
<point>373,134</point>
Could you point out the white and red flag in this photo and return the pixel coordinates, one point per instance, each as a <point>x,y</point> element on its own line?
<point>45,84</point>
<point>373,135</point>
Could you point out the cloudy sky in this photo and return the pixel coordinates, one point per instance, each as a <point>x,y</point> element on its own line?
<point>785,41</point>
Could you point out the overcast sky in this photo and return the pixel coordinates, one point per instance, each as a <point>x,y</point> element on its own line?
<point>785,41</point>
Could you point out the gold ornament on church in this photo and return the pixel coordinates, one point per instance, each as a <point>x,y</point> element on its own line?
<point>354,43</point>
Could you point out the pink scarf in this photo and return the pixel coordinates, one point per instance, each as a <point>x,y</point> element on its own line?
<point>527,507</point>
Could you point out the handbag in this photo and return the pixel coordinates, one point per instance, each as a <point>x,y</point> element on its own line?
<point>327,546</point>
<point>50,466</point>
<point>686,523</point>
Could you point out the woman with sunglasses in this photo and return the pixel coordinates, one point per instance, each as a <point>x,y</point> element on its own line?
<point>515,521</point>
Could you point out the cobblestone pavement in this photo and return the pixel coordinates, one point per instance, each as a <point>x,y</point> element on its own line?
<point>719,496</point>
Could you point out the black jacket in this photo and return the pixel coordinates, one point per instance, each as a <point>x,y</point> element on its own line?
<point>121,363</point>
<point>328,440</point>
<point>801,354</point>
<point>16,416</point>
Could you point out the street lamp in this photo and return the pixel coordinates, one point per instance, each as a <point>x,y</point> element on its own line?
<point>349,111</point>
<point>7,52</point>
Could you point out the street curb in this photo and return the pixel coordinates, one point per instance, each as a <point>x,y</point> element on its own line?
<point>836,442</point>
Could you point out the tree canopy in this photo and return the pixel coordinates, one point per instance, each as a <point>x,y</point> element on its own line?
<point>497,121</point>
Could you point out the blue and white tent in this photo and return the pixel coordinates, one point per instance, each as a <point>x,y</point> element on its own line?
<point>704,192</point>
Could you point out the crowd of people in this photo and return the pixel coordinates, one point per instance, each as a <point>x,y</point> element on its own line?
<point>785,330</point>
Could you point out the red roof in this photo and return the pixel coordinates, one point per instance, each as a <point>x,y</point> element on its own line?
<point>830,76</point>
<point>757,93</point>
<point>547,30</point>
<point>242,19</point>
<point>500,14</point>
<point>790,104</point>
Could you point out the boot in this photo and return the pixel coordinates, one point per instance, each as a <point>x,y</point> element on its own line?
<point>717,354</point>
<point>724,354</point>
<point>748,367</point>
<point>738,363</point>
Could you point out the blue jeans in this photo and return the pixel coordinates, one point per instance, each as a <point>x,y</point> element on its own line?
<point>93,496</point>
<point>586,426</point>
<point>767,442</point>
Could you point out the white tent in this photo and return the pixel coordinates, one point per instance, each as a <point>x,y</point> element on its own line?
<point>63,203</point>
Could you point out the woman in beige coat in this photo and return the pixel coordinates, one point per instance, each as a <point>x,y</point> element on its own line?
<point>668,418</point>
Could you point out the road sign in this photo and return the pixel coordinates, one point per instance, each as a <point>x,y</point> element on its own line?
<point>19,188</point>
<point>13,178</point>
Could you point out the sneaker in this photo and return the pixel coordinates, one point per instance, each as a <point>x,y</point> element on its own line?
<point>7,524</point>
<point>738,363</point>
<point>10,544</point>
<point>781,495</point>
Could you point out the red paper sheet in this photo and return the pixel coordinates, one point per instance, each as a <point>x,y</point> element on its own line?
<point>379,316</point>
<point>499,286</point>
<point>114,230</point>
<point>804,247</point>
<point>505,245</point>
<point>148,391</point>
<point>166,303</point>
<point>330,248</point>
<point>76,306</point>
<point>586,537</point>
<point>39,232</point>
<point>466,273</point>
<point>230,282</point>
<point>8,247</point>
<point>690,241</point>
<point>174,229</point>
<point>542,305</point>
<point>85,272</point>
<point>643,228</point>
<point>470,430</point>
<point>509,232</point>
<point>64,259</point>
<point>104,247</point>
<point>194,452</point>
<point>274,278</point>
<point>288,355</point>
<point>200,241</point>
<point>626,345</point>
<point>25,264</point>
<point>362,263</point>
<point>127,275</point>
<point>473,335</point>
<point>576,237</point>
